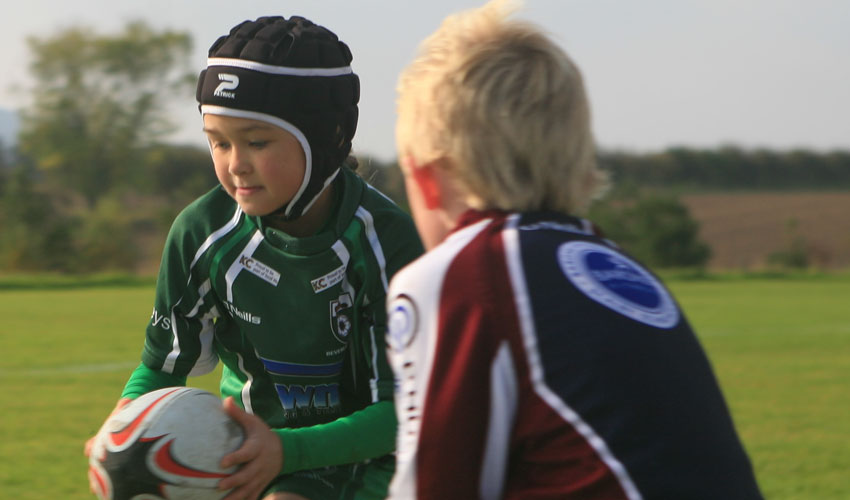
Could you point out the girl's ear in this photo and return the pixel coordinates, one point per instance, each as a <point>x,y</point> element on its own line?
<point>427,180</point>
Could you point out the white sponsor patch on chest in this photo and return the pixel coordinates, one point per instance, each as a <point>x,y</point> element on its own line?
<point>259,269</point>
<point>328,280</point>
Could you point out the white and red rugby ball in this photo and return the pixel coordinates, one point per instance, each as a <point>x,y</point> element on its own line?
<point>164,445</point>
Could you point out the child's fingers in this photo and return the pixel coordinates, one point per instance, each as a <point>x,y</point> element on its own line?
<point>248,482</point>
<point>253,428</point>
<point>233,410</point>
<point>241,478</point>
<point>88,446</point>
<point>245,453</point>
<point>249,422</point>
<point>260,456</point>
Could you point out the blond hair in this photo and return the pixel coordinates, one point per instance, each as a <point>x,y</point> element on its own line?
<point>507,107</point>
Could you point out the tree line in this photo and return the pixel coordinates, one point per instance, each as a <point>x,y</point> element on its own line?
<point>731,168</point>
<point>92,184</point>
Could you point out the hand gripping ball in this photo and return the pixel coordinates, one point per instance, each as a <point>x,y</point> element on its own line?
<point>166,444</point>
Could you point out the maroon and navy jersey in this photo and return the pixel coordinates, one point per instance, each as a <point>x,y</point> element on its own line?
<point>535,360</point>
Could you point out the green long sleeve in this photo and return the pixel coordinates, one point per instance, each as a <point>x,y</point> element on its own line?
<point>144,380</point>
<point>365,434</point>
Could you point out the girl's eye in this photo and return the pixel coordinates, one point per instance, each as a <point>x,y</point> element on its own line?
<point>221,145</point>
<point>258,144</point>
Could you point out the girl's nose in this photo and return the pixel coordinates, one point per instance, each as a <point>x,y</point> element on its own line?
<point>239,162</point>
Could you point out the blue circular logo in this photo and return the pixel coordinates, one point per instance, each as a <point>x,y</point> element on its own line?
<point>402,322</point>
<point>618,283</point>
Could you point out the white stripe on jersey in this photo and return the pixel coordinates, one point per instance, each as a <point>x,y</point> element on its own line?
<point>503,407</point>
<point>171,358</point>
<point>344,256</point>
<point>373,382</point>
<point>216,235</point>
<point>246,389</point>
<point>372,236</point>
<point>237,266</point>
<point>373,188</point>
<point>510,237</point>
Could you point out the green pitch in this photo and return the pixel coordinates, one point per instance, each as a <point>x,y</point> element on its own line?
<point>781,348</point>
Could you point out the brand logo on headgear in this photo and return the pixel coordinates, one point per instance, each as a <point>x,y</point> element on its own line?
<point>228,82</point>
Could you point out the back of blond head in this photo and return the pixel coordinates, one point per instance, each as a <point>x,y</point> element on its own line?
<point>506,107</point>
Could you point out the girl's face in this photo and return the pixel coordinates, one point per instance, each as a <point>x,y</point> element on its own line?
<point>260,165</point>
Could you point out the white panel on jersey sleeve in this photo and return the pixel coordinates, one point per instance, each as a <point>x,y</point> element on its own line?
<point>208,359</point>
<point>171,357</point>
<point>413,315</point>
<point>503,406</point>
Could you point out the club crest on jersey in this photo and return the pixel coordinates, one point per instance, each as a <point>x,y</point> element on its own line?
<point>402,322</point>
<point>618,283</point>
<point>340,317</point>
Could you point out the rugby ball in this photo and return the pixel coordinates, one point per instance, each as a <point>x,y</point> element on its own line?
<point>164,445</point>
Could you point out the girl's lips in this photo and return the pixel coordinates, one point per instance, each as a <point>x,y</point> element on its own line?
<point>246,191</point>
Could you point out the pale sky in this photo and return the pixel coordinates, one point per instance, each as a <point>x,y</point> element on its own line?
<point>660,73</point>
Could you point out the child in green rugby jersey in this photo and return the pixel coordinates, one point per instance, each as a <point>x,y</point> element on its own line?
<point>281,271</point>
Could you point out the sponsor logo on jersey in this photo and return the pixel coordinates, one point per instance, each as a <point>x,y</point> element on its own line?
<point>228,83</point>
<point>340,320</point>
<point>259,269</point>
<point>402,322</point>
<point>243,315</point>
<point>309,399</point>
<point>332,278</point>
<point>161,320</point>
<point>618,283</point>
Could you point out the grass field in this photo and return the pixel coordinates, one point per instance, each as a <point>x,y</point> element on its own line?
<point>781,349</point>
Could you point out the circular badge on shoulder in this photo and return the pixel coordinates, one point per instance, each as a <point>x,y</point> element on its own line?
<point>618,283</point>
<point>402,322</point>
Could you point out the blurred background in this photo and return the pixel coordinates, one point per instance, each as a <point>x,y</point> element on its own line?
<point>723,123</point>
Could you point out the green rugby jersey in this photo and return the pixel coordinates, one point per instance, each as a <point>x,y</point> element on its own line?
<point>299,323</point>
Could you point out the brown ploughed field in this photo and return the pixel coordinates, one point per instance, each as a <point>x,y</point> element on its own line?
<point>743,229</point>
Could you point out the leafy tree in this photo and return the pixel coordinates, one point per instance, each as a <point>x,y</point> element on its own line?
<point>36,236</point>
<point>104,239</point>
<point>180,173</point>
<point>659,231</point>
<point>385,177</point>
<point>99,101</point>
<point>730,167</point>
